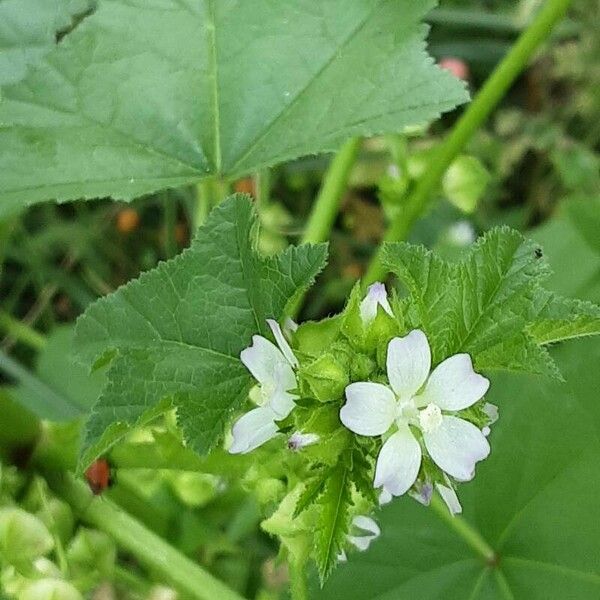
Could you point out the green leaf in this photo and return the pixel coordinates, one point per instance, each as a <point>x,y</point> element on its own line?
<point>28,32</point>
<point>179,329</point>
<point>476,303</point>
<point>333,521</point>
<point>145,95</point>
<point>534,501</point>
<point>490,304</point>
<point>564,318</point>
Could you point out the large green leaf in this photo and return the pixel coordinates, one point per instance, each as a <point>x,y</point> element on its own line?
<point>534,500</point>
<point>179,329</point>
<point>149,94</point>
<point>27,32</point>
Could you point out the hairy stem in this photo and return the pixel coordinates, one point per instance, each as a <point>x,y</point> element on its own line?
<point>469,534</point>
<point>298,588</point>
<point>478,111</point>
<point>186,576</point>
<point>327,204</point>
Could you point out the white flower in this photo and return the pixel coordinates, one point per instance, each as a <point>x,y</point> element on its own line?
<point>366,530</point>
<point>273,368</point>
<point>422,400</point>
<point>376,296</point>
<point>299,440</point>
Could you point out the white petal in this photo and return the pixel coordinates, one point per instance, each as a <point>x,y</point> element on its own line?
<point>282,342</point>
<point>455,446</point>
<point>267,364</point>
<point>252,430</point>
<point>491,410</point>
<point>450,498</point>
<point>454,385</point>
<point>376,296</point>
<point>362,542</point>
<point>289,326</point>
<point>281,403</point>
<point>341,557</point>
<point>370,408</point>
<point>385,497</point>
<point>366,523</point>
<point>408,363</point>
<point>398,462</point>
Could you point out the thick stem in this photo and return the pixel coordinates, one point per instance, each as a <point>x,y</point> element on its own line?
<point>263,187</point>
<point>209,192</point>
<point>185,576</point>
<point>298,587</point>
<point>470,535</point>
<point>327,204</point>
<point>486,100</point>
<point>21,332</point>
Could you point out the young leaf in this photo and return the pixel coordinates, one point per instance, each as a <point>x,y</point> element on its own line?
<point>333,521</point>
<point>145,95</point>
<point>179,329</point>
<point>27,32</point>
<point>491,304</point>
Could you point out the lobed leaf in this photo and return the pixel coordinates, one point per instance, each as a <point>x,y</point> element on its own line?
<point>176,333</point>
<point>491,304</point>
<point>28,31</point>
<point>150,94</point>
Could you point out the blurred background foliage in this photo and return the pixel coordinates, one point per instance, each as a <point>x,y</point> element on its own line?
<point>535,166</point>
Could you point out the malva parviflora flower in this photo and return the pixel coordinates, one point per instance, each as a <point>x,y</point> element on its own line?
<point>376,296</point>
<point>419,403</point>
<point>273,368</point>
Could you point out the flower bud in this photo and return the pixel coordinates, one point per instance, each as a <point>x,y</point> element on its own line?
<point>89,551</point>
<point>23,537</point>
<point>465,182</point>
<point>50,589</point>
<point>58,515</point>
<point>326,378</point>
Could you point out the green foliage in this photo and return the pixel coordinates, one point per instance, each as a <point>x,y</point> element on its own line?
<point>27,32</point>
<point>333,520</point>
<point>490,304</point>
<point>142,96</point>
<point>541,518</point>
<point>176,333</point>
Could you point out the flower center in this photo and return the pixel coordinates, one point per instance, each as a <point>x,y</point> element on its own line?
<point>430,418</point>
<point>406,412</point>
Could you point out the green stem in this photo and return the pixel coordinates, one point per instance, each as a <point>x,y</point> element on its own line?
<point>263,187</point>
<point>298,588</point>
<point>186,576</point>
<point>203,202</point>
<point>471,536</point>
<point>327,204</point>
<point>478,111</point>
<point>170,223</point>
<point>21,332</point>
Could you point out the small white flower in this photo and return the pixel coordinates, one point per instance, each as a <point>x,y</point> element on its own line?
<point>385,497</point>
<point>421,400</point>
<point>299,440</point>
<point>273,368</point>
<point>366,530</point>
<point>376,296</point>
